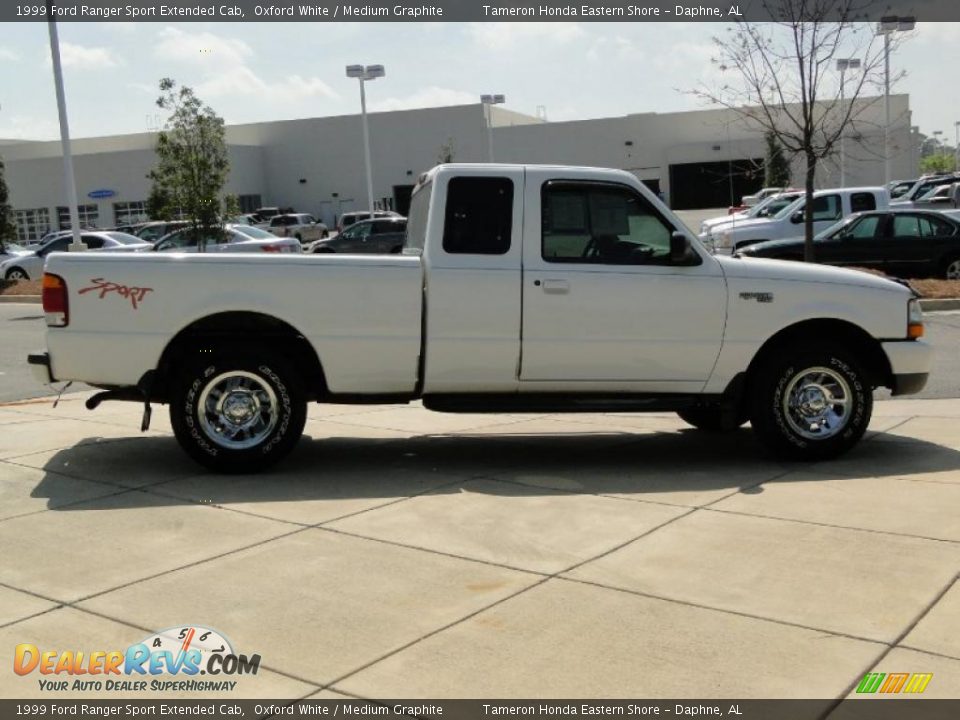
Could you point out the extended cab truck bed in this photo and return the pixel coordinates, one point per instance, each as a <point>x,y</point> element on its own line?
<point>520,287</point>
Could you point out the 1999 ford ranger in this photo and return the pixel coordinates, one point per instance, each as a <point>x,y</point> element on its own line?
<point>520,288</point>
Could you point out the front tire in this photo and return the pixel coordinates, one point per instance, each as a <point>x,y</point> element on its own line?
<point>811,405</point>
<point>236,412</point>
<point>17,274</point>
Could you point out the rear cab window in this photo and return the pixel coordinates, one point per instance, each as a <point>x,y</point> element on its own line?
<point>479,216</point>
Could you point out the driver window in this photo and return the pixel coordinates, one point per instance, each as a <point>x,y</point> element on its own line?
<point>864,228</point>
<point>604,224</point>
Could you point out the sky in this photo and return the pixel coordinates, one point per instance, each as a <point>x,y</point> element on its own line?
<point>250,72</point>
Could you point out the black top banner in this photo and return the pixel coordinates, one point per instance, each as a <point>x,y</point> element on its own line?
<point>470,10</point>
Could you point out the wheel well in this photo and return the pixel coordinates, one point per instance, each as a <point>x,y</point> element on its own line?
<point>238,329</point>
<point>865,347</point>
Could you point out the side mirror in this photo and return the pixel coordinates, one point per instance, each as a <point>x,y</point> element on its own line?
<point>797,217</point>
<point>680,251</point>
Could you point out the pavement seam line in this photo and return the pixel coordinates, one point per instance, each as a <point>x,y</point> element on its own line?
<point>147,630</point>
<point>829,525</point>
<point>713,608</point>
<point>891,646</point>
<point>188,565</point>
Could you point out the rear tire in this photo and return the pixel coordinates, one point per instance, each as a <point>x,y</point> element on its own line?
<point>951,269</point>
<point>811,404</point>
<point>238,411</point>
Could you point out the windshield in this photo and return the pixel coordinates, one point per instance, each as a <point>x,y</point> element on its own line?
<point>253,232</point>
<point>790,209</point>
<point>752,212</point>
<point>125,238</point>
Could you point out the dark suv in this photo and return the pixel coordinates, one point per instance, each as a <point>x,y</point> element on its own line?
<point>382,235</point>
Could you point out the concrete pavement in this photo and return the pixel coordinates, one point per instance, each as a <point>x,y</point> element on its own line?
<point>403,553</point>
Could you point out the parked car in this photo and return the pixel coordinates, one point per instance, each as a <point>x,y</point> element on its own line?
<point>904,243</point>
<point>765,208</point>
<point>521,288</point>
<point>154,230</point>
<point>383,235</point>
<point>922,186</point>
<point>751,200</point>
<point>265,213</point>
<point>939,197</point>
<point>29,265</point>
<point>829,206</point>
<point>245,219</point>
<point>348,219</point>
<point>11,249</point>
<point>302,226</point>
<point>898,188</point>
<point>229,239</point>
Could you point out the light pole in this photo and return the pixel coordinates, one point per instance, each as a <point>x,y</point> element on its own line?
<point>487,101</point>
<point>370,72</point>
<point>887,26</point>
<point>69,183</point>
<point>917,146</point>
<point>844,64</point>
<point>956,147</point>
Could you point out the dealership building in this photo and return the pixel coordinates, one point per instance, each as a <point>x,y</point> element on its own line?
<point>705,158</point>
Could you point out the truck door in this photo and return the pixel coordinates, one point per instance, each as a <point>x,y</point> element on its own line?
<point>603,305</point>
<point>472,280</point>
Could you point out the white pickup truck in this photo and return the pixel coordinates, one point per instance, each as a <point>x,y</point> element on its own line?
<point>829,206</point>
<point>520,288</point>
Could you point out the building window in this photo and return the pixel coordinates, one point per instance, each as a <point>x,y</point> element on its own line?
<point>130,213</point>
<point>89,217</point>
<point>32,224</point>
<point>249,203</point>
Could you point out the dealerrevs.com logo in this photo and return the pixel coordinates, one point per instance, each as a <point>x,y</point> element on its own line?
<point>171,660</point>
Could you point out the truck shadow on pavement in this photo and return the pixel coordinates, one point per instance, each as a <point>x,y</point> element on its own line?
<point>663,464</point>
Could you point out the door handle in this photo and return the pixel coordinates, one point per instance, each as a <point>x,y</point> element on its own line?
<point>556,287</point>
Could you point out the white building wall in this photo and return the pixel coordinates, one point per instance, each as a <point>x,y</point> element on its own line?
<point>316,165</point>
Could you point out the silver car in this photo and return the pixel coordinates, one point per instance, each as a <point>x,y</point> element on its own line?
<point>29,266</point>
<point>229,239</point>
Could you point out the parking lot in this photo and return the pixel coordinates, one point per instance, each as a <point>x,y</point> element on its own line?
<point>402,553</point>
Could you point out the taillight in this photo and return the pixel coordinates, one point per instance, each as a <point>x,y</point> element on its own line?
<point>273,247</point>
<point>56,307</point>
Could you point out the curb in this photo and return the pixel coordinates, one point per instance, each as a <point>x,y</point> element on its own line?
<point>20,298</point>
<point>935,304</point>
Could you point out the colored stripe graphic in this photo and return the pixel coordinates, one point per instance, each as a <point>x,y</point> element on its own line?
<point>870,682</point>
<point>918,682</point>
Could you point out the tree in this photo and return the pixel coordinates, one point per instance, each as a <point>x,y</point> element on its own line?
<point>939,163</point>
<point>784,86</point>
<point>192,162</point>
<point>445,155</point>
<point>776,167</point>
<point>8,230</point>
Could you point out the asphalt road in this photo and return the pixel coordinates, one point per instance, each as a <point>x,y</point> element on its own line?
<point>22,332</point>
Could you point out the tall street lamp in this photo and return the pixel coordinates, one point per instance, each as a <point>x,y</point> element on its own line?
<point>956,147</point>
<point>69,181</point>
<point>370,72</point>
<point>844,64</point>
<point>887,26</point>
<point>487,101</point>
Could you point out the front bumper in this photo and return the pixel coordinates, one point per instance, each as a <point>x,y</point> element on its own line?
<point>40,367</point>
<point>910,362</point>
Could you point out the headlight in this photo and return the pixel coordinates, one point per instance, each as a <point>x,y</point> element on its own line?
<point>723,240</point>
<point>914,319</point>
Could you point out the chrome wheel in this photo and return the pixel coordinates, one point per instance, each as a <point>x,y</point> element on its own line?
<point>953,270</point>
<point>238,410</point>
<point>817,403</point>
<point>17,274</point>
